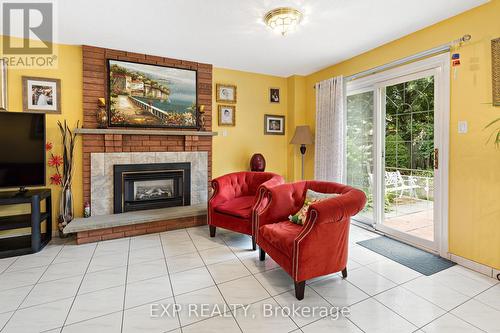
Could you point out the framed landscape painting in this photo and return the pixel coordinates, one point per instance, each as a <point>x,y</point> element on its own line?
<point>142,95</point>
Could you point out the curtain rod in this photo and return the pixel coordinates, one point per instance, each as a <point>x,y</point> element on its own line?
<point>402,61</point>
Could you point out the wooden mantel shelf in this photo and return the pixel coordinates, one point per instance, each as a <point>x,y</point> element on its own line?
<point>142,132</point>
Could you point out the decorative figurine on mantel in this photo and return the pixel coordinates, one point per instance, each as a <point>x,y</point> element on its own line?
<point>102,115</point>
<point>258,163</point>
<point>201,118</point>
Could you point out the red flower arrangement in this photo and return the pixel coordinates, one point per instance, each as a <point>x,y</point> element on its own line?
<point>56,179</point>
<point>55,161</point>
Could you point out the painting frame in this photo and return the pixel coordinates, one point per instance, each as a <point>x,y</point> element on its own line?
<point>221,121</point>
<point>219,92</point>
<point>271,119</point>
<point>274,95</point>
<point>3,86</point>
<point>495,71</point>
<point>163,126</point>
<point>51,104</point>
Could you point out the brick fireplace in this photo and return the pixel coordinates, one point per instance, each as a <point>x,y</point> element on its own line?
<point>146,145</point>
<point>95,86</point>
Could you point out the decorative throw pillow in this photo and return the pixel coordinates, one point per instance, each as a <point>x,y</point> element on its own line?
<point>311,197</point>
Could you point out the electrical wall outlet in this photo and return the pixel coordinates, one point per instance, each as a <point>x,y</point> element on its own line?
<point>462,127</point>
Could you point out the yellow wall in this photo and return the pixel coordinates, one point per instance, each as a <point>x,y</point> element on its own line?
<point>233,152</point>
<point>296,117</point>
<point>70,72</point>
<point>474,193</point>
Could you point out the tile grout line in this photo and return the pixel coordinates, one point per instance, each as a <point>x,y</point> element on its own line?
<point>215,283</point>
<point>33,286</point>
<point>293,321</point>
<point>315,291</point>
<point>125,288</point>
<point>169,279</point>
<point>79,286</point>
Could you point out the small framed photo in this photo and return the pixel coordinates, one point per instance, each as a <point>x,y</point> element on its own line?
<point>41,95</point>
<point>227,115</point>
<point>225,93</point>
<point>274,125</point>
<point>274,95</point>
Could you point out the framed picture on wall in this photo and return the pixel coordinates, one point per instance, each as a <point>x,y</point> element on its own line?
<point>41,94</point>
<point>225,93</point>
<point>227,115</point>
<point>495,64</point>
<point>274,95</point>
<point>274,125</point>
<point>144,95</point>
<point>3,85</point>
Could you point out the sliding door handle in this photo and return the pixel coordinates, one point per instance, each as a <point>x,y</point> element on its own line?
<point>436,158</point>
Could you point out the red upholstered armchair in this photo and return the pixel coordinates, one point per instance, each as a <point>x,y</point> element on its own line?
<point>318,247</point>
<point>236,198</point>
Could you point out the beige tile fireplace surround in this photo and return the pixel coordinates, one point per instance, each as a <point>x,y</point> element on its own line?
<point>101,175</point>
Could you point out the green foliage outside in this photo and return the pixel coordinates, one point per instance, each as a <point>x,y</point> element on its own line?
<point>409,141</point>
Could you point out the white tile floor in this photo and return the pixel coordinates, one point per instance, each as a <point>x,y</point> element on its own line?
<point>110,286</point>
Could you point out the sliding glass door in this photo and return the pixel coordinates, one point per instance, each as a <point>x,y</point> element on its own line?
<point>359,142</point>
<point>397,126</point>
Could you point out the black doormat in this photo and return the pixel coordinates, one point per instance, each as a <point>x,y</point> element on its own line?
<point>409,256</point>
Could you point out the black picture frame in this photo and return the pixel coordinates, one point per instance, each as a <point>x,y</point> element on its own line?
<point>274,95</point>
<point>108,98</point>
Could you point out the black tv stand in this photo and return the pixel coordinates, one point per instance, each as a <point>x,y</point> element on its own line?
<point>25,244</point>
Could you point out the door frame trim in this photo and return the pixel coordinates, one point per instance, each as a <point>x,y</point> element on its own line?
<point>441,64</point>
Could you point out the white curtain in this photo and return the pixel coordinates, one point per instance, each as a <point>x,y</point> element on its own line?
<point>330,130</point>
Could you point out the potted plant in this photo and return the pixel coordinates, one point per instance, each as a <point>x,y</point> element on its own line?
<point>63,175</point>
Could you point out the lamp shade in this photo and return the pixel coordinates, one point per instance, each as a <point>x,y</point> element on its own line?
<point>302,136</point>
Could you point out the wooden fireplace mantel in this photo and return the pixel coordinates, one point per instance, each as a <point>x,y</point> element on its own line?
<point>142,132</point>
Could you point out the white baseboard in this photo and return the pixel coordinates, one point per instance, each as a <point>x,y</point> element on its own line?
<point>475,266</point>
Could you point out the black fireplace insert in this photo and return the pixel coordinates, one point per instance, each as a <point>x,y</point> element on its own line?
<point>151,186</point>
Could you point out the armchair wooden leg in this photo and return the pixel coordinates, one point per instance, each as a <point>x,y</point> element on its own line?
<point>254,244</point>
<point>344,273</point>
<point>212,230</point>
<point>262,255</point>
<point>299,289</point>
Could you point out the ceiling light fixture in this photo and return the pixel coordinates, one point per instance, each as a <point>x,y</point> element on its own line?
<point>283,20</point>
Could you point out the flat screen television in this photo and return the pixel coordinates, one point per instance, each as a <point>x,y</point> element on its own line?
<point>22,149</point>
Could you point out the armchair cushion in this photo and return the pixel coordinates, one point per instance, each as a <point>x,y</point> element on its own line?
<point>281,235</point>
<point>239,207</point>
<point>311,197</point>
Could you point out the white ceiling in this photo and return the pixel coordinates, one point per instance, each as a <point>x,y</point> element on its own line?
<point>230,33</point>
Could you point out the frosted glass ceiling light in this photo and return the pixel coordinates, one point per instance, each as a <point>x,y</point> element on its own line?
<point>283,20</point>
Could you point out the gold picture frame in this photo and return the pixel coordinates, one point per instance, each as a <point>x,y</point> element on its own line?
<point>225,93</point>
<point>227,115</point>
<point>495,70</point>
<point>3,85</point>
<point>42,95</point>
